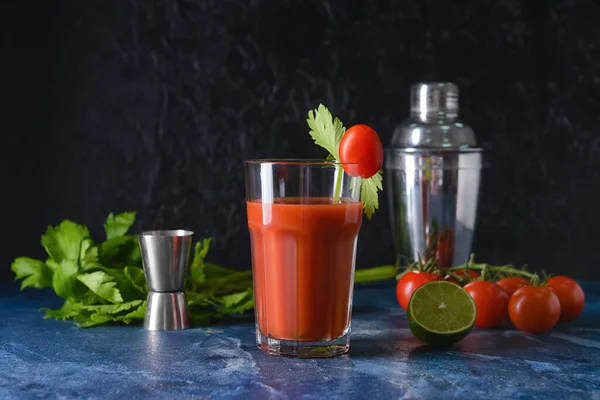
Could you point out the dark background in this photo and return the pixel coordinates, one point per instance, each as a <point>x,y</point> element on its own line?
<point>153,105</point>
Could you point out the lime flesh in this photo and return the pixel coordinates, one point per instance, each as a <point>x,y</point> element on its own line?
<point>441,313</point>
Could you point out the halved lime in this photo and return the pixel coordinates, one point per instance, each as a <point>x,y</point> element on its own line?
<point>441,313</point>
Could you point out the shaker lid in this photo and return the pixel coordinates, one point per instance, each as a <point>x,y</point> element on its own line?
<point>433,123</point>
<point>434,97</point>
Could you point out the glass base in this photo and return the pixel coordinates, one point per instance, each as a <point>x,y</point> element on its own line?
<point>291,348</point>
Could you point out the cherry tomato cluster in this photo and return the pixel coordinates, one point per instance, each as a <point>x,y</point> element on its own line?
<point>532,306</point>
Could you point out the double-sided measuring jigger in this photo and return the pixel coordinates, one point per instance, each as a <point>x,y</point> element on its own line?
<point>165,257</point>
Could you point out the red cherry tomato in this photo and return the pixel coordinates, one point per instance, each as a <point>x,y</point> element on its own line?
<point>461,273</point>
<point>410,282</point>
<point>472,273</point>
<point>534,309</point>
<point>511,284</point>
<point>491,302</point>
<point>570,295</point>
<point>360,144</point>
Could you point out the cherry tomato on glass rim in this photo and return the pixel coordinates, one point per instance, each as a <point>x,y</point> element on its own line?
<point>360,144</point>
<point>491,302</point>
<point>534,309</point>
<point>410,282</point>
<point>512,284</point>
<point>570,295</point>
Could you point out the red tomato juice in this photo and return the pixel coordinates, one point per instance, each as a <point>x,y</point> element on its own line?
<point>303,253</point>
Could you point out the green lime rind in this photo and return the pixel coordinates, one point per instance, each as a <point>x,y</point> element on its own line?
<point>441,313</point>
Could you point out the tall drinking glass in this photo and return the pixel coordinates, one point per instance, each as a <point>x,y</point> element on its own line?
<point>304,217</point>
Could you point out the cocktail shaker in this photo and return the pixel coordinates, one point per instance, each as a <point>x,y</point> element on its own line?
<point>432,171</point>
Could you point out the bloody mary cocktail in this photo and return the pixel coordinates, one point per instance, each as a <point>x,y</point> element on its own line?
<point>303,242</point>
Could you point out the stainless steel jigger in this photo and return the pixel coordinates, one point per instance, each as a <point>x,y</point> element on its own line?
<point>165,257</point>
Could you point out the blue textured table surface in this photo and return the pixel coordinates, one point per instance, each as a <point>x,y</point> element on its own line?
<point>46,358</point>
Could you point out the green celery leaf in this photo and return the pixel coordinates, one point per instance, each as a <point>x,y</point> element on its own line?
<point>103,285</point>
<point>236,281</point>
<point>135,275</point>
<point>237,302</point>
<point>325,131</point>
<point>98,315</point>
<point>112,308</point>
<point>202,299</point>
<point>118,225</point>
<point>64,241</point>
<point>89,298</point>
<point>87,245</point>
<point>88,256</point>
<point>197,275</point>
<point>87,316</point>
<point>137,314</point>
<point>64,280</point>
<point>216,271</point>
<point>374,274</point>
<point>94,320</point>
<point>120,251</point>
<point>35,273</point>
<point>129,286</point>
<point>369,195</point>
<point>52,265</point>
<point>69,310</point>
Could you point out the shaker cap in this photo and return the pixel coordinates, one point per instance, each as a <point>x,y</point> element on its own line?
<point>434,97</point>
<point>434,120</point>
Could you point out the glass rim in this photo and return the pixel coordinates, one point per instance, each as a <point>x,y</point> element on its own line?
<point>297,161</point>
